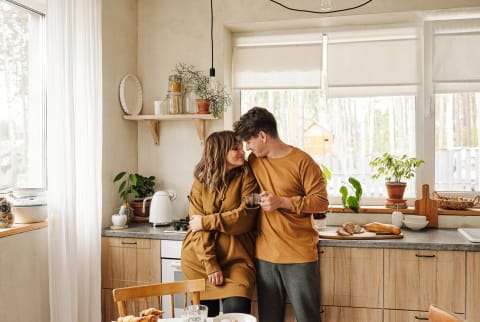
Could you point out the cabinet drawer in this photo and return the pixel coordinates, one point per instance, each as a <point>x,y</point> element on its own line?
<point>129,242</point>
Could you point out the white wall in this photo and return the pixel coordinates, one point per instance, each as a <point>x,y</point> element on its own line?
<point>24,277</point>
<point>172,31</point>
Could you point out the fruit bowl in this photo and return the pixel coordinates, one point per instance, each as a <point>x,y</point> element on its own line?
<point>415,225</point>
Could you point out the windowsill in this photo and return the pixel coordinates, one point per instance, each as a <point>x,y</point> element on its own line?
<point>22,228</point>
<point>409,210</point>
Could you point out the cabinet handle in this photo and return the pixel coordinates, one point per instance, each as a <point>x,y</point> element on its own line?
<point>420,318</point>
<point>429,256</point>
<point>321,252</point>
<point>129,243</point>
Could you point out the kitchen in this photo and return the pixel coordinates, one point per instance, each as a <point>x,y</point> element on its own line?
<point>148,38</point>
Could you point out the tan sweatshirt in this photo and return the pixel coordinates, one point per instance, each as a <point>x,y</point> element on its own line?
<point>230,247</point>
<point>287,235</point>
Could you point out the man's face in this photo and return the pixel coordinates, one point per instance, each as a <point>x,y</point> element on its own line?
<point>257,145</point>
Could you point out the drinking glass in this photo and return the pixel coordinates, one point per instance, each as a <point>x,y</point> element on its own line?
<point>196,313</point>
<point>252,200</point>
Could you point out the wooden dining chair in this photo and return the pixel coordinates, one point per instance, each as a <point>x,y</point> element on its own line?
<point>436,314</point>
<point>146,296</point>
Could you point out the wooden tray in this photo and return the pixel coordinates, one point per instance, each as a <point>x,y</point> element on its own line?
<point>365,235</point>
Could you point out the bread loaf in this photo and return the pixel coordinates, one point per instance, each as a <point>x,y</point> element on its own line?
<point>384,228</point>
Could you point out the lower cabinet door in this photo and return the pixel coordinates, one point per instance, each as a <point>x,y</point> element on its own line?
<point>406,316</point>
<point>350,314</point>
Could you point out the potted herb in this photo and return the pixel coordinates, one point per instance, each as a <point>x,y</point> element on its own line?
<point>217,97</point>
<point>137,186</point>
<point>352,201</point>
<point>395,170</point>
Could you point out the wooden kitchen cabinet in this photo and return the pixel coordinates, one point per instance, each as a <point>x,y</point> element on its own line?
<point>414,279</point>
<point>351,277</point>
<point>349,314</point>
<point>473,286</point>
<point>127,262</point>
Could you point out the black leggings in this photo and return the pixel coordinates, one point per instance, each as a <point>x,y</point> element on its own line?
<point>234,304</point>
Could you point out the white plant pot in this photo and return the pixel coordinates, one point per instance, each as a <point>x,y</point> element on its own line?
<point>119,220</point>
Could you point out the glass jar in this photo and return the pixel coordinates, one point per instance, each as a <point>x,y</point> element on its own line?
<point>175,103</point>
<point>175,84</point>
<point>189,100</point>
<point>6,215</point>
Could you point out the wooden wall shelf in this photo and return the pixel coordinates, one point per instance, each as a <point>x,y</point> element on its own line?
<point>153,123</point>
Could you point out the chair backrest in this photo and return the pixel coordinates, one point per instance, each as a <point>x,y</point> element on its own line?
<point>436,314</point>
<point>146,296</point>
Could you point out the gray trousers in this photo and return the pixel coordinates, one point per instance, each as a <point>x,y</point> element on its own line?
<point>301,282</point>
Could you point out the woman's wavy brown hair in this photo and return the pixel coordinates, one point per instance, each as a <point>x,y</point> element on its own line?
<point>212,168</point>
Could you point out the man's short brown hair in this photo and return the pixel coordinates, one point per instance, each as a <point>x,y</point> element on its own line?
<point>255,120</point>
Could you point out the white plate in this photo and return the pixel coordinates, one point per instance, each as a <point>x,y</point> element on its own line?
<point>238,317</point>
<point>131,97</point>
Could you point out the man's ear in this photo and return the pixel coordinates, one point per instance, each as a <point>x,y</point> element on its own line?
<point>263,136</point>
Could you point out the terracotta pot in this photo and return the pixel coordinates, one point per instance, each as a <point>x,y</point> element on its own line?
<point>395,190</point>
<point>203,106</point>
<point>137,206</point>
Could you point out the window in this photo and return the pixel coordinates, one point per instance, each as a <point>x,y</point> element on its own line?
<point>22,97</point>
<point>368,108</point>
<point>456,88</point>
<point>344,134</point>
<point>457,146</point>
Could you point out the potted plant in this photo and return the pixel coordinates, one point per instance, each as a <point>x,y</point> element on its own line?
<point>395,170</point>
<point>138,186</point>
<point>352,201</point>
<point>214,98</point>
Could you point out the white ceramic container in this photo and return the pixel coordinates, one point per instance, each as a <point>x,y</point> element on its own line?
<point>28,214</point>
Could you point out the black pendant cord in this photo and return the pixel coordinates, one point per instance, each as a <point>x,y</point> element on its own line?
<point>212,69</point>
<point>320,12</point>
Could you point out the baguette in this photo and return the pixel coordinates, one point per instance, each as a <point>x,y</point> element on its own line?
<point>382,228</point>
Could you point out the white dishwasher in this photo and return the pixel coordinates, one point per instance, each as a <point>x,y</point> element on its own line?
<point>171,272</point>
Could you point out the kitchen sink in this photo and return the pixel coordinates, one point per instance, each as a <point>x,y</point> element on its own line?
<point>472,234</point>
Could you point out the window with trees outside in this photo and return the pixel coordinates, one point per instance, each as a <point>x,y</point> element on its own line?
<point>346,97</point>
<point>22,97</point>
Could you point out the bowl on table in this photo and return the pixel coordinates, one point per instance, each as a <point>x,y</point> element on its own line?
<point>238,317</point>
<point>414,225</point>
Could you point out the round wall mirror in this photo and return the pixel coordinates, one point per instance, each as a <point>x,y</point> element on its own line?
<point>131,94</point>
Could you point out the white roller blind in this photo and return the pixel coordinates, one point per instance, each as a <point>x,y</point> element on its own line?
<point>374,62</point>
<point>289,60</point>
<point>456,52</point>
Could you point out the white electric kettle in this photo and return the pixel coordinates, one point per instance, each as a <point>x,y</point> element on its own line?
<point>161,212</point>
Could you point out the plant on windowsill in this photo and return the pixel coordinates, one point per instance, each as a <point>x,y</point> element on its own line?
<point>352,201</point>
<point>138,186</point>
<point>218,97</point>
<point>395,170</point>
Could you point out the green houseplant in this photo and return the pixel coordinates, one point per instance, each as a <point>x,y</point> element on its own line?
<point>352,201</point>
<point>137,186</point>
<point>395,170</point>
<point>218,96</point>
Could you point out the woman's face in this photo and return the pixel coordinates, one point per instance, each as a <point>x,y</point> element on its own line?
<point>235,157</point>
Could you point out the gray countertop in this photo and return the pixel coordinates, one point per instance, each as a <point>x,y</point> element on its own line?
<point>434,239</point>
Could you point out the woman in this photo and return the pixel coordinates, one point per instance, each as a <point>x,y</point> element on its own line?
<point>220,243</point>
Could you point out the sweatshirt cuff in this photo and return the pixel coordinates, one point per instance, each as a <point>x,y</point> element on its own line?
<point>211,267</point>
<point>209,222</point>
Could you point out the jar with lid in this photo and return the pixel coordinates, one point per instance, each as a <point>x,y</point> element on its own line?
<point>174,83</point>
<point>175,103</point>
<point>189,100</point>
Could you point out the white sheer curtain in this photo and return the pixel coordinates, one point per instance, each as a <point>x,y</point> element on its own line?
<point>74,103</point>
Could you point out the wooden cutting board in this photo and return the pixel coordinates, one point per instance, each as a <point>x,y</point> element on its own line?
<point>365,235</point>
<point>427,207</point>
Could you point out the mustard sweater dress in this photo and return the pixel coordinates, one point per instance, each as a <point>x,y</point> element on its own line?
<point>227,242</point>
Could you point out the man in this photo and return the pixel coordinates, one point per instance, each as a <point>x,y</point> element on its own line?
<point>292,189</point>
